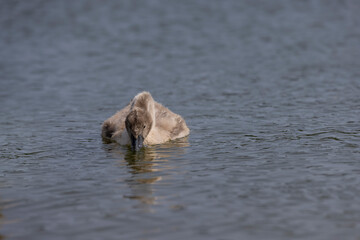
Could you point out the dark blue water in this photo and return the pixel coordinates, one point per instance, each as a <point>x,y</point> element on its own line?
<point>270,91</point>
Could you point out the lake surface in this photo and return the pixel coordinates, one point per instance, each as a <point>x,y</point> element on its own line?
<point>270,91</point>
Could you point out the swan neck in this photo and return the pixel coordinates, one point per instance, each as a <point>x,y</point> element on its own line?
<point>151,109</point>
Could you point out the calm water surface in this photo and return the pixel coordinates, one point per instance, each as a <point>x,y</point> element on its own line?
<point>270,91</point>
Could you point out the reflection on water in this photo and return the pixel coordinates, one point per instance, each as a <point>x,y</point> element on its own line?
<point>147,167</point>
<point>141,164</point>
<point>142,161</point>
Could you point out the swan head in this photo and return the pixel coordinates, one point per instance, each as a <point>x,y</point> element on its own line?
<point>138,125</point>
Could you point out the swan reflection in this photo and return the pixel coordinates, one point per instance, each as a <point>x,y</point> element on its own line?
<point>147,167</point>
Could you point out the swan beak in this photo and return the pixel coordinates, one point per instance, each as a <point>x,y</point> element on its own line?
<point>137,143</point>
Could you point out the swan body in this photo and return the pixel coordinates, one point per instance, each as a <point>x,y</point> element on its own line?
<point>144,121</point>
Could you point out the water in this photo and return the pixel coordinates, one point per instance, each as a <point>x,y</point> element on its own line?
<point>270,91</point>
